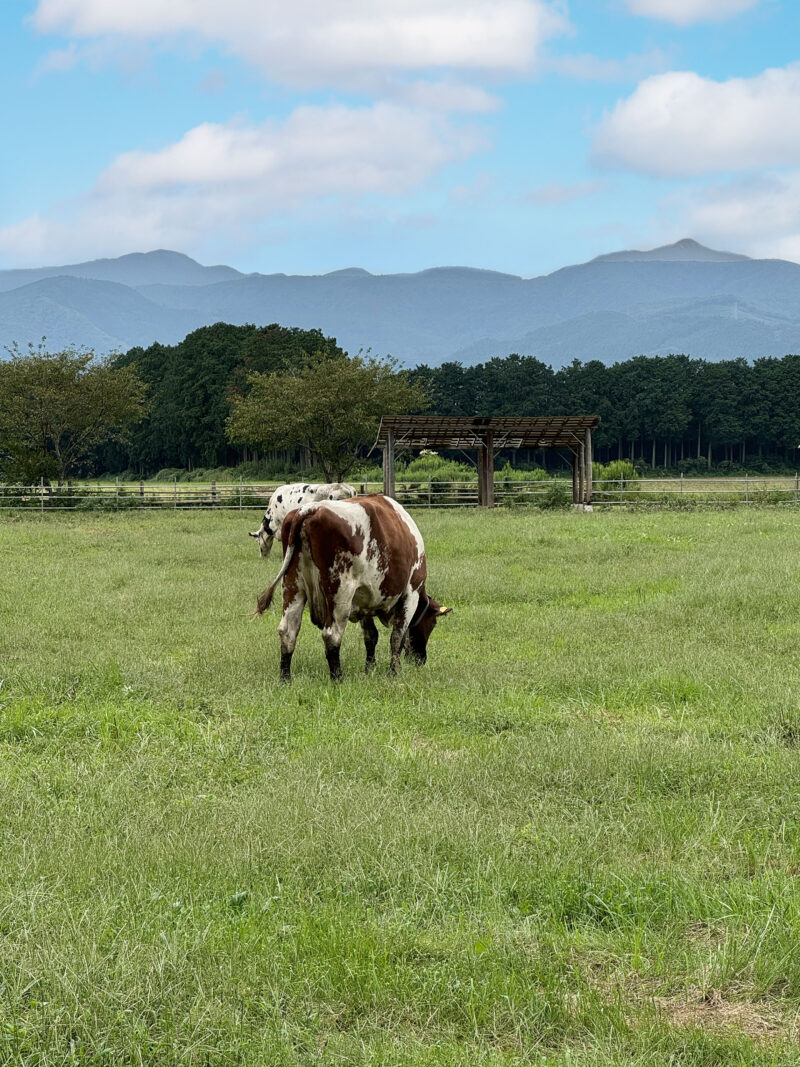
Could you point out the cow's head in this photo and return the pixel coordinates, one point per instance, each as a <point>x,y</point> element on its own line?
<point>265,535</point>
<point>428,611</point>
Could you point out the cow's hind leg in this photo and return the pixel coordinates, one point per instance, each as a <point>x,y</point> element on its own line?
<point>333,632</point>
<point>370,641</point>
<point>288,629</point>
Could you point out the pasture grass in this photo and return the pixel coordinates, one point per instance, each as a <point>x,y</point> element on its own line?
<point>571,839</point>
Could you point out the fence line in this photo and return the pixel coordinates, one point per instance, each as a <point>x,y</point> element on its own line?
<point>418,493</point>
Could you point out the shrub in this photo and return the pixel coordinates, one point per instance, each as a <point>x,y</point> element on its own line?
<point>557,495</point>
<point>616,469</point>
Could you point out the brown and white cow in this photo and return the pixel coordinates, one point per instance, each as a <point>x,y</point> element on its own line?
<point>356,560</point>
<point>286,498</point>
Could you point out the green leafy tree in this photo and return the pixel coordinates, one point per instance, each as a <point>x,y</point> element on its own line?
<point>56,407</point>
<point>331,406</point>
<point>190,385</point>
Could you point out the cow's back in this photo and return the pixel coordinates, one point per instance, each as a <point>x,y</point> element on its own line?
<point>373,537</point>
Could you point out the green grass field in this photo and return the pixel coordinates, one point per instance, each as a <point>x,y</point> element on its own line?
<point>572,838</point>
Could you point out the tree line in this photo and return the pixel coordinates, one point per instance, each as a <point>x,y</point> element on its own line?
<point>662,411</point>
<point>232,394</point>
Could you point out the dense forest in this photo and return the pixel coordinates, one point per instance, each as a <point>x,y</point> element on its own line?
<point>670,412</point>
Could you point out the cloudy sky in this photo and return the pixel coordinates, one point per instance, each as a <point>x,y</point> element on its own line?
<point>517,135</point>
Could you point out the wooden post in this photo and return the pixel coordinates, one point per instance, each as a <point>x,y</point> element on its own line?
<point>481,477</point>
<point>588,456</point>
<point>574,476</point>
<point>214,494</point>
<point>141,488</point>
<point>581,475</point>
<point>388,465</point>
<point>489,490</point>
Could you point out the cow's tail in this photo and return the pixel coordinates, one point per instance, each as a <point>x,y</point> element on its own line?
<point>292,540</point>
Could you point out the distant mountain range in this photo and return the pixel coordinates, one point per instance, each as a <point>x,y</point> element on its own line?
<point>679,298</point>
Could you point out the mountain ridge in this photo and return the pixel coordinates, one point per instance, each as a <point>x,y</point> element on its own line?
<point>675,298</point>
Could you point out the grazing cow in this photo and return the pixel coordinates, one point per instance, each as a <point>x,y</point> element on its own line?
<point>354,559</point>
<point>291,496</point>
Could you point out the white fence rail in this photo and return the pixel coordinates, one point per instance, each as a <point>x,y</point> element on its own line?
<point>543,492</point>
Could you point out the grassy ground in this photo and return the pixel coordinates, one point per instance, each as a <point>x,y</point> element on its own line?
<point>572,838</point>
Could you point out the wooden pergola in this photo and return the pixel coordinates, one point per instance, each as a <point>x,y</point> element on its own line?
<point>488,436</point>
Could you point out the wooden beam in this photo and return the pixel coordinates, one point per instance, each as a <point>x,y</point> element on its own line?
<point>581,474</point>
<point>388,465</point>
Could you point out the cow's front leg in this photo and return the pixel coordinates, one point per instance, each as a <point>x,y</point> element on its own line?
<point>404,613</point>
<point>370,641</point>
<point>288,629</point>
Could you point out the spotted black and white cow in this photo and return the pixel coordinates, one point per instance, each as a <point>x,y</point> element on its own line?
<point>291,496</point>
<point>355,560</point>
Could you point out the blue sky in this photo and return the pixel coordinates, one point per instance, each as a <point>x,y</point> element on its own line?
<point>515,135</point>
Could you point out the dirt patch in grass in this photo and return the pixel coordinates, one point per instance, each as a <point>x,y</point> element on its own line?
<point>711,1011</point>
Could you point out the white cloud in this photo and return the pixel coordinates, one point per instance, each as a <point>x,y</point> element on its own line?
<point>679,124</point>
<point>317,42</point>
<point>317,151</point>
<point>759,215</point>
<point>685,12</point>
<point>236,178</point>
<point>446,96</point>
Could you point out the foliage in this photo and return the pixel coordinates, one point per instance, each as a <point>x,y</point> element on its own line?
<point>656,411</point>
<point>663,413</point>
<point>507,473</point>
<point>557,495</point>
<point>56,407</point>
<point>190,387</point>
<point>616,470</point>
<point>329,405</point>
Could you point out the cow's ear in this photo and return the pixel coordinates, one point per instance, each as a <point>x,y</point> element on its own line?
<point>442,610</point>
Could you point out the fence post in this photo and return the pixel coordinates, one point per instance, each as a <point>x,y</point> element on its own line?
<point>214,494</point>
<point>621,486</point>
<point>174,492</point>
<point>116,492</point>
<point>746,489</point>
<point>681,483</point>
<point>141,488</point>
<point>240,494</point>
<point>41,495</point>
<point>429,493</point>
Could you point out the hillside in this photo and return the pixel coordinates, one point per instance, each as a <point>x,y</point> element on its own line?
<point>678,298</point>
